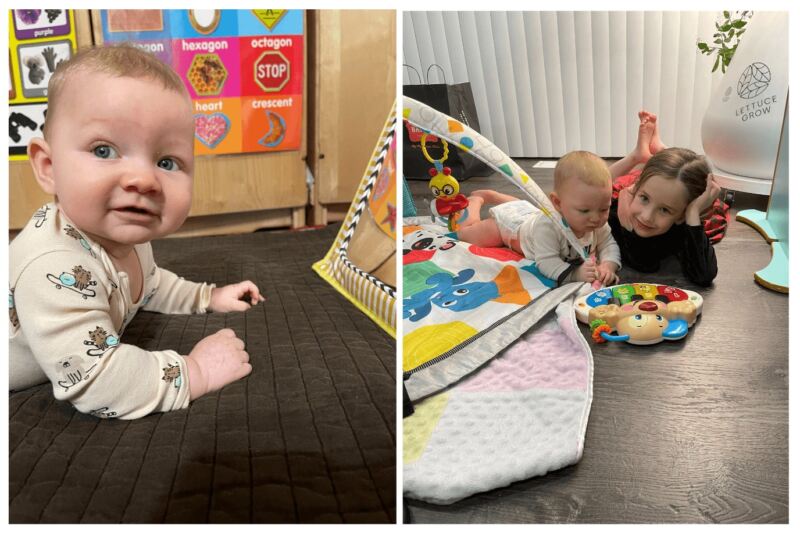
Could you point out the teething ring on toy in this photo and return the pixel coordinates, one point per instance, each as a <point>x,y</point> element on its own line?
<point>600,330</point>
<point>437,163</point>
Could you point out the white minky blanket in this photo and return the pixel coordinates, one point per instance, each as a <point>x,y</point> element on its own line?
<point>521,415</point>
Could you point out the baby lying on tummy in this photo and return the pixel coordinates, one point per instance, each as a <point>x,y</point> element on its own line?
<point>582,197</point>
<point>118,158</point>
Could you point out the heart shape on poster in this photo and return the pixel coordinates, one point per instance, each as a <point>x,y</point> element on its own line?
<point>211,129</point>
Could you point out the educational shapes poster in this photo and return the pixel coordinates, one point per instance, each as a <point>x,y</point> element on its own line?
<point>39,39</point>
<point>242,68</point>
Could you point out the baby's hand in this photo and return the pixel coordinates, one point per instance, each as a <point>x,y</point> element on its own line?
<point>607,273</point>
<point>216,361</point>
<point>587,271</point>
<point>230,297</point>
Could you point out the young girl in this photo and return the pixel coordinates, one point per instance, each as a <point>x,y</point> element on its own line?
<point>659,215</point>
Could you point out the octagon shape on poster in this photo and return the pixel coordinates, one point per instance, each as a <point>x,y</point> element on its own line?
<point>272,71</point>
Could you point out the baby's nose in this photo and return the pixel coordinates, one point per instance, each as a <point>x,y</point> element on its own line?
<point>142,180</point>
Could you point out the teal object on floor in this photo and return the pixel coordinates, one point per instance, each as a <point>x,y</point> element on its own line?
<point>409,210</point>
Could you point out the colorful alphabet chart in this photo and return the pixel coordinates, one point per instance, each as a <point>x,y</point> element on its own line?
<point>39,39</point>
<point>242,68</point>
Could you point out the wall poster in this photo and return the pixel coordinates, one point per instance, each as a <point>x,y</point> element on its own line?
<point>39,39</point>
<point>242,68</point>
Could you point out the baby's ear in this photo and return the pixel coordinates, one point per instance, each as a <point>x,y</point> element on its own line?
<point>555,200</point>
<point>42,164</point>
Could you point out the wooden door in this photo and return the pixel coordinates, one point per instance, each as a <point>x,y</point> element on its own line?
<point>352,73</point>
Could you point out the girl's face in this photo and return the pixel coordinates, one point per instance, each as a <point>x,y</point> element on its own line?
<point>657,205</point>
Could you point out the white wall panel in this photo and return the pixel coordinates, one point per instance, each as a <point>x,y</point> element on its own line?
<point>601,82</point>
<point>618,69</point>
<point>545,83</point>
<point>525,117</point>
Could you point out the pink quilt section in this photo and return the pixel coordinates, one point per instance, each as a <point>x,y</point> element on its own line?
<point>559,364</point>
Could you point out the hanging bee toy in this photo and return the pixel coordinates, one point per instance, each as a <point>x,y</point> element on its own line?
<point>447,202</point>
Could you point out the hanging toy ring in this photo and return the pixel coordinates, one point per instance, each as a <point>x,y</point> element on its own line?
<point>438,163</point>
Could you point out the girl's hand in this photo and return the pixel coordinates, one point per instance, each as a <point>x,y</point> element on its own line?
<point>702,202</point>
<point>624,207</point>
<point>230,297</point>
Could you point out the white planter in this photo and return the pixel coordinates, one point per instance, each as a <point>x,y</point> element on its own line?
<point>742,126</point>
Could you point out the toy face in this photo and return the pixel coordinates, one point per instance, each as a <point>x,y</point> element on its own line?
<point>642,327</point>
<point>442,185</point>
<point>644,321</point>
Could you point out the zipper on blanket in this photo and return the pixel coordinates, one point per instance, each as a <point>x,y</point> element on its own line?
<point>460,346</point>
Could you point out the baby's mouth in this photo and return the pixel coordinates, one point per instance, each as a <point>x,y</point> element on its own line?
<point>134,210</point>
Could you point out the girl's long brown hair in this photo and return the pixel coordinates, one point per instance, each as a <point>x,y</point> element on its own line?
<point>688,167</point>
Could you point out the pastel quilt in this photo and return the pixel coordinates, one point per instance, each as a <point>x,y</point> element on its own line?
<point>463,304</point>
<point>522,415</point>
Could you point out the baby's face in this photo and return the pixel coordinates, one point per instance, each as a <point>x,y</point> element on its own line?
<point>584,206</point>
<point>122,152</point>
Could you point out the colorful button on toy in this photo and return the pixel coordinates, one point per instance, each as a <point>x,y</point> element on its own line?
<point>623,293</point>
<point>600,297</point>
<point>673,293</point>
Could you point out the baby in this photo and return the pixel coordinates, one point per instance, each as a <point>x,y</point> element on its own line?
<point>582,196</point>
<point>117,156</point>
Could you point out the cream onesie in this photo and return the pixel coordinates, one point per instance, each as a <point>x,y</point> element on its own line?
<point>68,307</point>
<point>523,227</point>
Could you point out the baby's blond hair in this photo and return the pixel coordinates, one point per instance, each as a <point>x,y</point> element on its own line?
<point>582,165</point>
<point>119,60</point>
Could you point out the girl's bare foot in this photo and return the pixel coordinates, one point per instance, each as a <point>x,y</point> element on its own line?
<point>656,144</point>
<point>641,153</point>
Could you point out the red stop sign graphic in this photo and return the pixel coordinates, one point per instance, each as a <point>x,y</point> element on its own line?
<point>272,71</point>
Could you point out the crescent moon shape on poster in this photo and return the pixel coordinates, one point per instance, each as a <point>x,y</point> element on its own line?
<point>276,132</point>
<point>205,21</point>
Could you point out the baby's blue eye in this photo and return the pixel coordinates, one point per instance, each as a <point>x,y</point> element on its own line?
<point>104,151</point>
<point>169,164</point>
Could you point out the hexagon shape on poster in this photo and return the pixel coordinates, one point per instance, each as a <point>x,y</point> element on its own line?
<point>207,74</point>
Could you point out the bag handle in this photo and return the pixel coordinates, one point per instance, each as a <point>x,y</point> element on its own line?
<point>416,71</point>
<point>428,73</point>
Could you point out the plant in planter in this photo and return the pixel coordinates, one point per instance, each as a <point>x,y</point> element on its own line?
<point>727,37</point>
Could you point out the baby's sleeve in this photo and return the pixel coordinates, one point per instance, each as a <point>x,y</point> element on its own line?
<point>543,242</point>
<point>607,247</point>
<point>62,303</point>
<point>171,294</point>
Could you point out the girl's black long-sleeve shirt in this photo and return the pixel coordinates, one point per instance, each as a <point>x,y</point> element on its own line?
<point>688,242</point>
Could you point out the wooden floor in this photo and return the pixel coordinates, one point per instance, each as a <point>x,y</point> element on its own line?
<point>694,431</point>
